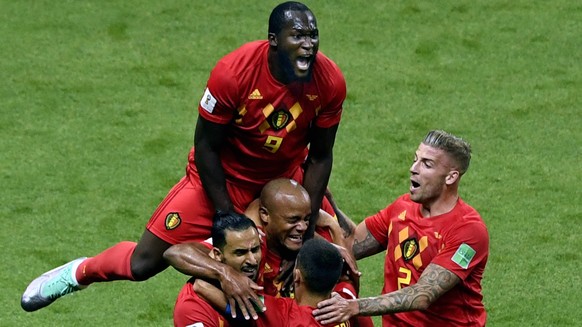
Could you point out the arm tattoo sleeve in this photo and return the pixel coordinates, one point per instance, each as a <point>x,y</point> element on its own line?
<point>434,282</point>
<point>366,247</point>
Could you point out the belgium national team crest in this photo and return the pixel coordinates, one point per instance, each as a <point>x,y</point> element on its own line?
<point>410,248</point>
<point>279,119</point>
<point>173,220</point>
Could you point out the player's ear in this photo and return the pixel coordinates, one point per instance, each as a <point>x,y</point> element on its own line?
<point>452,177</point>
<point>216,254</point>
<point>264,214</point>
<point>272,39</point>
<point>297,278</point>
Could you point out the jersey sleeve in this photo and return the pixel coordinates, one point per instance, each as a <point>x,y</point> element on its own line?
<point>379,224</point>
<point>331,111</point>
<point>466,247</point>
<point>219,101</point>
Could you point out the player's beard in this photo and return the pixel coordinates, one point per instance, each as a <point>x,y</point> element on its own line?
<point>289,69</point>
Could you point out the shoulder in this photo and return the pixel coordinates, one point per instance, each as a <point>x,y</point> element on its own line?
<point>234,69</point>
<point>467,227</point>
<point>324,63</point>
<point>245,55</point>
<point>278,311</point>
<point>402,203</point>
<point>328,72</point>
<point>470,216</point>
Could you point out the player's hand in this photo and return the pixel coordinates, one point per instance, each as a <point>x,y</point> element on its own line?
<point>285,277</point>
<point>349,260</point>
<point>335,310</point>
<point>241,292</point>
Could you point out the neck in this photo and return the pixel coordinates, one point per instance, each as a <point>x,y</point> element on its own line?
<point>444,204</point>
<point>303,297</point>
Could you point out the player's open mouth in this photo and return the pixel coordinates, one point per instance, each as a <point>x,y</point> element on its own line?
<point>414,185</point>
<point>249,271</point>
<point>303,62</point>
<point>295,238</point>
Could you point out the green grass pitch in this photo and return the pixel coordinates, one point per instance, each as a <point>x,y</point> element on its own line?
<point>98,108</point>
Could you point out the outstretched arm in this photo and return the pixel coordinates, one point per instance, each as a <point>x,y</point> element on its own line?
<point>433,283</point>
<point>338,238</point>
<point>208,140</point>
<point>347,225</point>
<point>193,259</point>
<point>318,169</point>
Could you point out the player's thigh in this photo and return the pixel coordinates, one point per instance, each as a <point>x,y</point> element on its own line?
<point>185,215</point>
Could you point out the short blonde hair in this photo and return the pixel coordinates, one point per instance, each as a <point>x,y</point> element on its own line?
<point>458,149</point>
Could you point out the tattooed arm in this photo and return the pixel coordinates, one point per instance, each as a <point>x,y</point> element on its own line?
<point>364,244</point>
<point>434,282</point>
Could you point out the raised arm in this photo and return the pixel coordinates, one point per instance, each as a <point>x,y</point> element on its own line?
<point>193,259</point>
<point>328,222</point>
<point>318,169</point>
<point>347,225</point>
<point>338,238</point>
<point>208,140</point>
<point>433,283</point>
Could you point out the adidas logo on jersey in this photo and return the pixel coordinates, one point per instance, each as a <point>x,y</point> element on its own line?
<point>256,95</point>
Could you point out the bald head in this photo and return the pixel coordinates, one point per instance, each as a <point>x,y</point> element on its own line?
<point>279,193</point>
<point>284,210</point>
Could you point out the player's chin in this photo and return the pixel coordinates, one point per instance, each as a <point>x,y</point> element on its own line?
<point>294,243</point>
<point>302,75</point>
<point>250,273</point>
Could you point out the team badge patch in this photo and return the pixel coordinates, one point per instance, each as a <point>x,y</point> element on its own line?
<point>173,220</point>
<point>464,255</point>
<point>279,119</point>
<point>410,248</point>
<point>208,101</point>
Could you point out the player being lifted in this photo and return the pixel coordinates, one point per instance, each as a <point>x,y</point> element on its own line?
<point>270,109</point>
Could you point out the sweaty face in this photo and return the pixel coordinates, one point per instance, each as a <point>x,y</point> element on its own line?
<point>243,251</point>
<point>428,172</point>
<point>297,45</point>
<point>288,221</point>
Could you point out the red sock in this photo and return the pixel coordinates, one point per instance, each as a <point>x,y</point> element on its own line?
<point>111,264</point>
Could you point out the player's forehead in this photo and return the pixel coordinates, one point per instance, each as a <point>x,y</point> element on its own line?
<point>292,204</point>
<point>241,240</point>
<point>302,21</point>
<point>427,152</point>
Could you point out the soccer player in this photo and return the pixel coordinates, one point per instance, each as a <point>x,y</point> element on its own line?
<point>318,268</point>
<point>281,214</point>
<point>436,247</point>
<point>270,109</point>
<point>236,244</point>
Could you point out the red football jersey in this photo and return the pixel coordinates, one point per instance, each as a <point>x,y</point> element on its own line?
<point>269,121</point>
<point>191,310</point>
<point>457,241</point>
<point>284,312</point>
